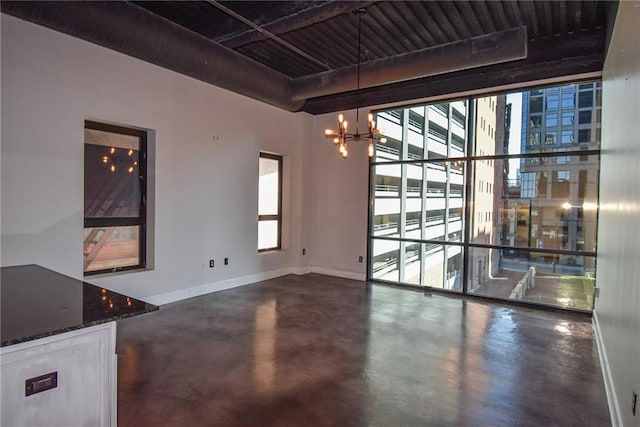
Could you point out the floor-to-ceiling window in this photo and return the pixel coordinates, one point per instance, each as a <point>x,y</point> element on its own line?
<point>494,196</point>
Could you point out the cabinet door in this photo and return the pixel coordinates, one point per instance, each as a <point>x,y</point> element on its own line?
<point>83,396</point>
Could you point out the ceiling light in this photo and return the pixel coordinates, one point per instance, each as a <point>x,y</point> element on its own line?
<point>341,137</point>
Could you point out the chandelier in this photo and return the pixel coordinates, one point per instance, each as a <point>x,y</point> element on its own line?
<point>342,137</point>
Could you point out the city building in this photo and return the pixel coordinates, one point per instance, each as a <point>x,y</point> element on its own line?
<point>559,189</point>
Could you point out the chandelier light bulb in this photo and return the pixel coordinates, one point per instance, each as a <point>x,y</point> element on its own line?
<point>342,136</point>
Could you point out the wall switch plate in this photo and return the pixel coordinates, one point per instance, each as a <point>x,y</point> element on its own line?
<point>304,251</point>
<point>211,263</point>
<point>226,261</point>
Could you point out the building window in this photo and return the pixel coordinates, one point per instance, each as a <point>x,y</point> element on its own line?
<point>115,187</point>
<point>270,202</point>
<point>567,137</point>
<point>476,223</point>
<point>584,135</point>
<point>550,138</point>
<point>568,118</point>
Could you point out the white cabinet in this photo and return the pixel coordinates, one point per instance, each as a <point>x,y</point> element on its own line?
<point>85,385</point>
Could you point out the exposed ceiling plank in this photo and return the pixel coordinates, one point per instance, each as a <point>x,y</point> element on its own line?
<point>379,22</point>
<point>419,9</point>
<point>514,12</point>
<point>458,23</point>
<point>420,32</point>
<point>548,18</point>
<point>297,21</point>
<point>578,16</point>
<point>268,34</point>
<point>485,16</point>
<point>388,18</point>
<point>562,5</point>
<point>498,12</point>
<point>589,9</point>
<point>532,22</point>
<point>440,18</point>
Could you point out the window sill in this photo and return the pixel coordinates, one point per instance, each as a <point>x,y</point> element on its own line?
<point>117,272</point>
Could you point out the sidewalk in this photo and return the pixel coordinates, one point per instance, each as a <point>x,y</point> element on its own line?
<point>552,289</point>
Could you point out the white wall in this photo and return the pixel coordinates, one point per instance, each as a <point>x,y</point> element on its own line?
<point>205,188</point>
<point>617,311</point>
<point>339,201</point>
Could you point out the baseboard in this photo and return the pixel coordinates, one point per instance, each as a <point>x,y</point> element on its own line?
<point>208,288</point>
<point>300,271</point>
<point>612,399</point>
<point>339,273</point>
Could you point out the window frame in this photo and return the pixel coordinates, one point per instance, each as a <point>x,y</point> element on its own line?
<point>531,153</point>
<point>278,216</point>
<point>141,219</point>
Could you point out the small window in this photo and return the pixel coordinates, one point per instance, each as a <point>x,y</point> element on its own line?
<point>115,177</point>
<point>270,202</point>
<point>568,101</point>
<point>584,117</point>
<point>536,121</point>
<point>567,137</point>
<point>550,138</point>
<point>568,118</point>
<point>585,99</point>
<point>534,138</point>
<point>584,135</point>
<point>535,105</point>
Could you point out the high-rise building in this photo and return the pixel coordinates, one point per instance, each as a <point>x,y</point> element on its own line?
<point>419,196</point>
<point>558,193</point>
<point>420,200</point>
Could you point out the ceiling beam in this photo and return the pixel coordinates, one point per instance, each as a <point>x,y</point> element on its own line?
<point>475,52</point>
<point>549,58</point>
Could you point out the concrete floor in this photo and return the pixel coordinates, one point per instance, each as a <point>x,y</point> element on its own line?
<point>321,351</point>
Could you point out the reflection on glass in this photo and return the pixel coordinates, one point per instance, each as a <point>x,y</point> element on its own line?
<point>552,279</point>
<point>544,195</point>
<point>442,266</point>
<point>411,271</point>
<point>268,186</point>
<point>264,344</point>
<point>267,234</point>
<point>546,207</point>
<point>111,168</point>
<point>386,260</point>
<point>111,247</point>
<point>431,131</point>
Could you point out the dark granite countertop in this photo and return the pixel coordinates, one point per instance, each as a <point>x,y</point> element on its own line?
<point>36,302</point>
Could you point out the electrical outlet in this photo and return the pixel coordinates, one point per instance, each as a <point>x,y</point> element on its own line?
<point>634,403</point>
<point>304,251</point>
<point>360,259</point>
<point>211,263</point>
<point>226,261</point>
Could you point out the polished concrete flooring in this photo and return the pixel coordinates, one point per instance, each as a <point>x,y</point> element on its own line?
<point>315,350</point>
